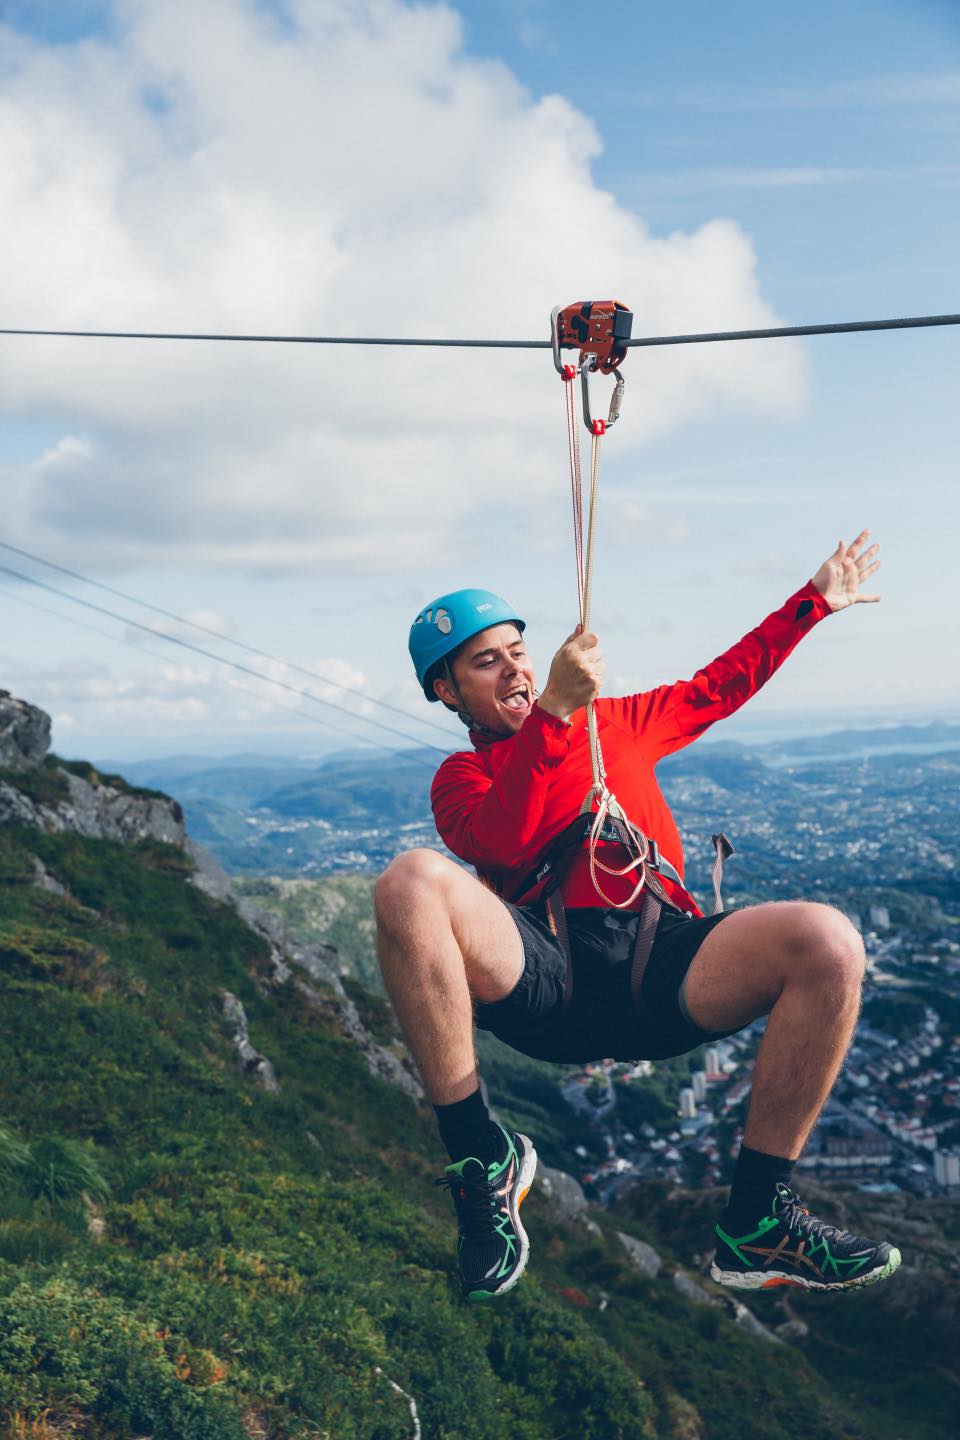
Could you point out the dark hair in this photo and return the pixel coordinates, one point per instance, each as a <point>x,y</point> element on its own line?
<point>443,670</point>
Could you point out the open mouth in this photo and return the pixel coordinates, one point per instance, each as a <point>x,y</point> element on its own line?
<point>517,699</point>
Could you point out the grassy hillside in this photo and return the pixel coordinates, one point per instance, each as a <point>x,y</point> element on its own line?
<point>185,1256</point>
<point>335,910</point>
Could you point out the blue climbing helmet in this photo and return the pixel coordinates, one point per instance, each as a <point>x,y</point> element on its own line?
<point>448,622</point>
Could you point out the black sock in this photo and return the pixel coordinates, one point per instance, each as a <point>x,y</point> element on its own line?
<point>755,1179</point>
<point>466,1129</point>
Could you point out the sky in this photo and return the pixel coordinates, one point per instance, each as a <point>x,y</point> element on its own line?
<point>376,167</point>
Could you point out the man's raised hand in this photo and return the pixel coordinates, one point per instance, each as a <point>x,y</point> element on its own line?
<point>576,674</point>
<point>841,575</point>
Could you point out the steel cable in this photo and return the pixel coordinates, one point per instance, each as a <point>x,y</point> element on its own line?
<point>778,332</point>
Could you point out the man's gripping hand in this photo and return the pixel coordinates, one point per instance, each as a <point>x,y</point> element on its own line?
<point>841,575</point>
<point>576,674</point>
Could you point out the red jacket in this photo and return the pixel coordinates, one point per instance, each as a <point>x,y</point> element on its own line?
<point>498,806</point>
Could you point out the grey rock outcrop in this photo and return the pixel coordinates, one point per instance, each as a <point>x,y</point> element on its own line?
<point>643,1257</point>
<point>103,813</point>
<point>17,809</point>
<point>97,812</point>
<point>691,1289</point>
<point>89,807</point>
<point>748,1321</point>
<point>249,1057</point>
<point>565,1198</point>
<point>24,734</point>
<point>43,880</point>
<point>793,1331</point>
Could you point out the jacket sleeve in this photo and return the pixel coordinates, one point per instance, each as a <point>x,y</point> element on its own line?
<point>672,716</point>
<point>493,819</point>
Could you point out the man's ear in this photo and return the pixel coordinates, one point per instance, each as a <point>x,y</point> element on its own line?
<point>444,692</point>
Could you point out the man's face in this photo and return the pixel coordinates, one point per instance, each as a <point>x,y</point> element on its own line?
<point>495,677</point>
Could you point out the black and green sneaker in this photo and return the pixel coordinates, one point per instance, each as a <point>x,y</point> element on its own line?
<point>493,1245</point>
<point>792,1247</point>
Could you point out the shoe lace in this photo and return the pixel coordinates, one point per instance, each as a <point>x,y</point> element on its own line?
<point>476,1202</point>
<point>799,1221</point>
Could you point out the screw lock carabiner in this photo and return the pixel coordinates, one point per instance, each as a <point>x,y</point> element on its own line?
<point>616,400</point>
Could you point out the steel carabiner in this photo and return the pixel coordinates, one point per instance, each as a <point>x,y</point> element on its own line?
<point>598,427</point>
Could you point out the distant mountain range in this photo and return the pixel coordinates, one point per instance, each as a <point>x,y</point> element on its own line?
<point>356,809</point>
<point>889,739</point>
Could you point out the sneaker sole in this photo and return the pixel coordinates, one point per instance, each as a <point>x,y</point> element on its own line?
<point>771,1279</point>
<point>521,1186</point>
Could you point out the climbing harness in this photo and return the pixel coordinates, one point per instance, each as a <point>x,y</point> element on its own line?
<point>599,330</point>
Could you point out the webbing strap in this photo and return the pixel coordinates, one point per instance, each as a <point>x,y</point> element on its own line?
<point>642,946</point>
<point>599,797</point>
<point>724,850</point>
<point>557,921</point>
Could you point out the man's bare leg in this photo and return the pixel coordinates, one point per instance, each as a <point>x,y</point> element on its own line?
<point>443,940</point>
<point>802,964</point>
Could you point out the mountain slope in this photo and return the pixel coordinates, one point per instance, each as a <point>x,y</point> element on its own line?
<point>272,1258</point>
<point>264,1254</point>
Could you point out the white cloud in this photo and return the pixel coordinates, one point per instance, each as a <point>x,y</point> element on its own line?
<point>71,449</point>
<point>354,172</point>
<point>173,696</point>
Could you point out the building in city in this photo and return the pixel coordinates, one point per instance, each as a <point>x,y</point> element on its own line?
<point>946,1168</point>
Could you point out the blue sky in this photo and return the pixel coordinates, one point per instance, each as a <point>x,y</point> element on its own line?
<point>703,163</point>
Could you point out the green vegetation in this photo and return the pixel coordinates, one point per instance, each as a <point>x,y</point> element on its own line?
<point>185,1256</point>
<point>334,910</point>
<point>44,785</point>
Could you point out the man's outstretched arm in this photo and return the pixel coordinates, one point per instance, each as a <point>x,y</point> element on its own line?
<point>673,715</point>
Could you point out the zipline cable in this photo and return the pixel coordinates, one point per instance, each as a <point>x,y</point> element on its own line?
<point>143,649</point>
<point>219,659</point>
<point>779,332</point>
<point>227,639</point>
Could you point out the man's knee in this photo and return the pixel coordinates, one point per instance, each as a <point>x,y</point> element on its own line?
<point>409,881</point>
<point>823,945</point>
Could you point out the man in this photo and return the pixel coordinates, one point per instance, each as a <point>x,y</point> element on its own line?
<point>455,951</point>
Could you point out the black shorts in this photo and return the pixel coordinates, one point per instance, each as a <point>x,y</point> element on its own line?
<point>601,1021</point>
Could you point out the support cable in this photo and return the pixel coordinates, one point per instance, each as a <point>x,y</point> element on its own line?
<point>144,649</point>
<point>219,659</point>
<point>779,332</point>
<point>227,639</point>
